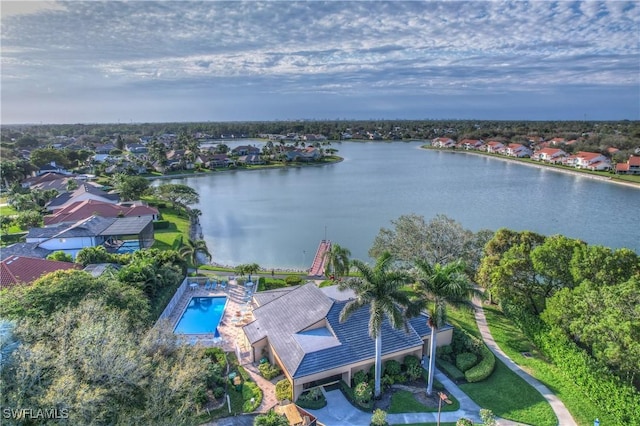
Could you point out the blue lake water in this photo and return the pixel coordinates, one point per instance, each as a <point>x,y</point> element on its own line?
<point>277,217</point>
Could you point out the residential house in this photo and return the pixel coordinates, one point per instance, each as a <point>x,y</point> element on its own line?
<point>245,150</point>
<point>16,270</point>
<point>52,168</point>
<point>84,192</point>
<point>631,167</point>
<point>469,144</point>
<point>550,155</point>
<point>80,210</point>
<point>250,159</point>
<point>517,150</point>
<point>299,329</point>
<point>92,232</point>
<point>24,249</point>
<point>41,180</point>
<point>443,143</point>
<point>588,160</point>
<point>494,146</point>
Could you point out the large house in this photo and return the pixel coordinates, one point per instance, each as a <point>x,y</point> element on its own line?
<point>517,150</point>
<point>588,160</point>
<point>82,193</point>
<point>550,155</point>
<point>631,167</point>
<point>299,329</point>
<point>85,209</point>
<point>94,231</point>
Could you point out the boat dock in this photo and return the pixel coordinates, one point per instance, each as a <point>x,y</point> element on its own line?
<point>319,260</point>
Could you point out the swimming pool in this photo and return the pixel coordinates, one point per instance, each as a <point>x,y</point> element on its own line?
<point>202,315</point>
<point>129,246</point>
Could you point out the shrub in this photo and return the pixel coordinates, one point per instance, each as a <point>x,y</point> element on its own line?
<point>243,373</point>
<point>392,367</point>
<point>359,377</point>
<point>269,371</point>
<point>265,283</point>
<point>216,355</point>
<point>464,422</point>
<point>363,392</point>
<point>313,399</point>
<point>450,370</point>
<point>379,418</point>
<point>293,279</point>
<point>411,360</point>
<point>251,391</point>
<point>161,224</point>
<point>350,395</point>
<point>414,371</point>
<point>484,367</point>
<point>445,352</point>
<point>466,360</point>
<point>284,390</point>
<point>218,392</point>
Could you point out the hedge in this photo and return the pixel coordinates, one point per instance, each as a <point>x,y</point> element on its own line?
<point>269,371</point>
<point>284,390</point>
<point>450,369</point>
<point>161,224</point>
<point>293,279</point>
<point>265,283</point>
<point>466,360</point>
<point>484,367</point>
<point>251,390</point>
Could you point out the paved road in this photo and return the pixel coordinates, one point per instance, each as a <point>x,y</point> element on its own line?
<point>563,415</point>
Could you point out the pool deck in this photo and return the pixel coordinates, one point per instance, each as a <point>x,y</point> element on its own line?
<point>236,314</point>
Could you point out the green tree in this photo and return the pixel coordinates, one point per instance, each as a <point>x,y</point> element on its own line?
<point>177,194</point>
<point>43,156</point>
<point>97,254</point>
<point>603,265</point>
<point>29,219</point>
<point>252,268</point>
<point>337,261</point>
<point>436,288</point>
<point>381,289</point>
<point>193,250</point>
<point>271,418</point>
<point>130,187</point>
<point>60,256</point>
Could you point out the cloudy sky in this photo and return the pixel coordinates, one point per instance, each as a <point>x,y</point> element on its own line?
<point>81,62</point>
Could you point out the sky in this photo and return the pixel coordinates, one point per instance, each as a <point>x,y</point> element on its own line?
<point>183,61</point>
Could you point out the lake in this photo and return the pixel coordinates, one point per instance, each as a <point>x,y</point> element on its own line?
<point>277,217</point>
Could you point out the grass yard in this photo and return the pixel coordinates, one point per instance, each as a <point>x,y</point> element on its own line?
<point>404,401</point>
<point>178,228</point>
<point>513,342</point>
<point>504,392</point>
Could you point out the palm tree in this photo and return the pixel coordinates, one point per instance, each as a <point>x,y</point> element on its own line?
<point>436,288</point>
<point>337,261</point>
<point>192,251</point>
<point>381,289</point>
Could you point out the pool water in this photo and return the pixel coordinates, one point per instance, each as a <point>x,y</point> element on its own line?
<point>129,246</point>
<point>202,315</point>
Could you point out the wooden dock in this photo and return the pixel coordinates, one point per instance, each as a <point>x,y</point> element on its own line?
<point>319,260</point>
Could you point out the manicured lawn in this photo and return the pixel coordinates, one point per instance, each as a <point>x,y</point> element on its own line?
<point>513,342</point>
<point>510,397</point>
<point>504,392</point>
<point>179,227</point>
<point>405,402</point>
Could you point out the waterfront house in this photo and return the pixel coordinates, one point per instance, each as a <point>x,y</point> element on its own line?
<point>470,144</point>
<point>494,146</point>
<point>245,150</point>
<point>80,210</point>
<point>443,143</point>
<point>631,167</point>
<point>588,160</point>
<point>550,155</point>
<point>83,192</point>
<point>20,270</point>
<point>517,150</point>
<point>251,159</point>
<point>92,232</point>
<point>298,328</point>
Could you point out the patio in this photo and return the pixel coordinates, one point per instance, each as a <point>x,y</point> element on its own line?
<point>238,312</point>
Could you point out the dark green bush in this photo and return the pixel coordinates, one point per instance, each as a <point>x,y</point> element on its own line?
<point>450,370</point>
<point>359,377</point>
<point>445,352</point>
<point>218,392</point>
<point>349,394</point>
<point>411,360</point>
<point>161,224</point>
<point>313,399</point>
<point>466,360</point>
<point>484,368</point>
<point>216,355</point>
<point>243,373</point>
<point>293,279</point>
<point>269,371</point>
<point>392,367</point>
<point>284,390</point>
<point>464,422</point>
<point>265,283</point>
<point>414,371</point>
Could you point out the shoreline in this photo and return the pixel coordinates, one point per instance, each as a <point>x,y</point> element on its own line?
<point>540,166</point>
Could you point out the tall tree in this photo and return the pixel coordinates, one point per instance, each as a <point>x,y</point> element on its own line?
<point>381,289</point>
<point>130,187</point>
<point>177,194</point>
<point>192,251</point>
<point>337,261</point>
<point>436,288</point>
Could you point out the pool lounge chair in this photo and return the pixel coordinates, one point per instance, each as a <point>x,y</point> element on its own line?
<point>207,285</point>
<point>223,285</point>
<point>214,284</point>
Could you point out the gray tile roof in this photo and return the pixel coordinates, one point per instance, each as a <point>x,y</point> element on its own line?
<point>24,249</point>
<point>90,227</point>
<point>84,188</point>
<point>264,297</point>
<point>127,225</point>
<point>281,319</point>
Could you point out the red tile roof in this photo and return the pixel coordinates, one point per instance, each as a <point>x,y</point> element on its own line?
<point>84,209</point>
<point>634,160</point>
<point>24,270</point>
